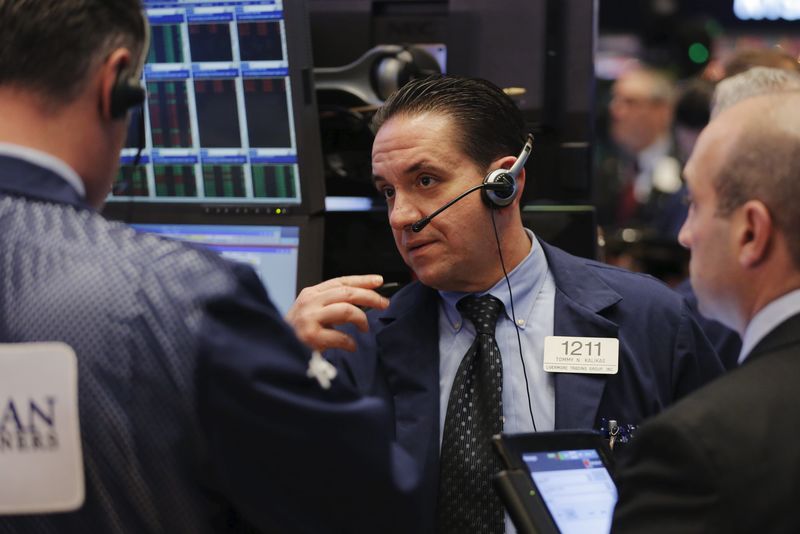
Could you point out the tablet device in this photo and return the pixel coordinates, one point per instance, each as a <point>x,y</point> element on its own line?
<point>557,481</point>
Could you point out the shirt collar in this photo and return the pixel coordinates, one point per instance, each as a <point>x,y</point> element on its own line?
<point>47,161</point>
<point>526,281</point>
<point>767,319</point>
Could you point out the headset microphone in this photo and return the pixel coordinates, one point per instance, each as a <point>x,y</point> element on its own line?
<point>499,187</point>
<point>422,223</point>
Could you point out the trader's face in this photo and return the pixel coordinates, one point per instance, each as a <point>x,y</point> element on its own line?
<point>709,235</point>
<point>418,166</point>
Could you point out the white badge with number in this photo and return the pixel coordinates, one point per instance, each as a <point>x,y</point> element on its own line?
<point>41,465</point>
<point>593,355</point>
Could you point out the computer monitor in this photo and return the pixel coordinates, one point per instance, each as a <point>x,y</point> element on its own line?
<point>230,116</point>
<point>275,251</point>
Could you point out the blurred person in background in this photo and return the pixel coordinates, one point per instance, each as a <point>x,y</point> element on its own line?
<point>642,171</point>
<point>692,113</point>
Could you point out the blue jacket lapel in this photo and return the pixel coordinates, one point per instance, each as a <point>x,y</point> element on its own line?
<point>22,178</point>
<point>408,345</point>
<point>580,297</point>
<point>410,351</point>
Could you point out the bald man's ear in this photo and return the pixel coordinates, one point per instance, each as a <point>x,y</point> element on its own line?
<point>756,233</point>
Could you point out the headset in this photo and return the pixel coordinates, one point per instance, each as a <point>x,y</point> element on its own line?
<point>498,189</point>
<point>125,95</point>
<point>500,197</point>
<point>128,91</point>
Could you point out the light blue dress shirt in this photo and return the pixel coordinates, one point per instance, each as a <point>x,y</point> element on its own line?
<point>534,299</point>
<point>534,292</point>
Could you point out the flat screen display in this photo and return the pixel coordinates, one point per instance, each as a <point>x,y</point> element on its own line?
<point>273,251</point>
<point>219,124</point>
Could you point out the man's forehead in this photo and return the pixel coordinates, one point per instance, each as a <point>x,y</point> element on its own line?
<point>417,118</point>
<point>429,139</point>
<point>712,148</point>
<point>412,167</point>
<point>634,84</point>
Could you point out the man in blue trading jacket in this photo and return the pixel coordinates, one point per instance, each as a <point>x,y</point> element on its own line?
<point>196,413</point>
<point>436,359</point>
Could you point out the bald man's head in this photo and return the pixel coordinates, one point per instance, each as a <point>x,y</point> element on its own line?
<point>754,82</point>
<point>759,140</point>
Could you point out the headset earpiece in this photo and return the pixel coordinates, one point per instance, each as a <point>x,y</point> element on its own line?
<point>506,192</point>
<point>502,183</point>
<point>126,94</point>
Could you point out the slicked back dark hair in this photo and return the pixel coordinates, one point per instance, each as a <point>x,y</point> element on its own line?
<point>489,123</point>
<point>49,46</point>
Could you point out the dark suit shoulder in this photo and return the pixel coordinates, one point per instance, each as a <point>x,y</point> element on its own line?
<point>747,396</point>
<point>727,452</point>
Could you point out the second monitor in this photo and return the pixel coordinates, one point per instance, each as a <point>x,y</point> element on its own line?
<point>282,255</point>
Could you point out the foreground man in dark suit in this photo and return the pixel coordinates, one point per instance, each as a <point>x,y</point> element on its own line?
<point>196,413</point>
<point>726,458</point>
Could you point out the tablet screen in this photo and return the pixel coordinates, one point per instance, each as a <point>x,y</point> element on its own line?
<point>576,487</point>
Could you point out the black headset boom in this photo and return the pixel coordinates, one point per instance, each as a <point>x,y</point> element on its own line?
<point>500,198</point>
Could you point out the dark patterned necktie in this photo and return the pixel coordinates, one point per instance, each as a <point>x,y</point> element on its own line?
<point>467,501</point>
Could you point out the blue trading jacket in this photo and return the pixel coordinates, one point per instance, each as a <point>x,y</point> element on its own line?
<point>196,413</point>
